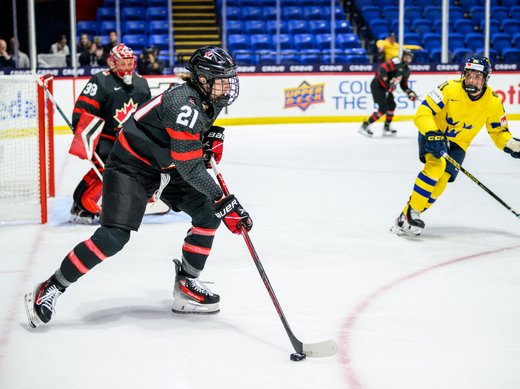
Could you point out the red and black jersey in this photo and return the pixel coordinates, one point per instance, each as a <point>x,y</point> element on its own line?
<point>107,96</point>
<point>396,72</point>
<point>166,133</point>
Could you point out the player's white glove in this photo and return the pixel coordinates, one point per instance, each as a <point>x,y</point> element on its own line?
<point>513,147</point>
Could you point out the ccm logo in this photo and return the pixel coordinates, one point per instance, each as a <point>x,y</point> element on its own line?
<point>228,209</point>
<point>435,137</point>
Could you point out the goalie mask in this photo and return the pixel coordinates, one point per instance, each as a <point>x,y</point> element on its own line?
<point>215,72</point>
<point>121,61</point>
<point>476,75</point>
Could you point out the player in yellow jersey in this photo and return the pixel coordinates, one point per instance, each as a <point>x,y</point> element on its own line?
<point>448,120</point>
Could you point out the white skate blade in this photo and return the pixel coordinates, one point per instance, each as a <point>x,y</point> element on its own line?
<point>32,317</point>
<point>184,306</point>
<point>365,133</point>
<point>327,348</point>
<point>389,133</point>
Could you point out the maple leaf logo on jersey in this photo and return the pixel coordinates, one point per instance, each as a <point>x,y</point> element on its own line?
<point>124,113</point>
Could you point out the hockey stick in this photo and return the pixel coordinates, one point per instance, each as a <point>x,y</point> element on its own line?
<point>474,179</point>
<point>321,349</point>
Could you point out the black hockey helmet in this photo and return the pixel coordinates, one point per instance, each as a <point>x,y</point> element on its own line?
<point>407,52</point>
<point>215,63</point>
<point>480,64</point>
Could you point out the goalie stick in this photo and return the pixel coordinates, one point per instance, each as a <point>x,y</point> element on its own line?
<point>156,207</point>
<point>476,181</point>
<point>326,348</point>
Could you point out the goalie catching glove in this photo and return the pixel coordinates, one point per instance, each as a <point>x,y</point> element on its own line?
<point>233,214</point>
<point>513,147</point>
<point>213,144</point>
<point>86,136</point>
<point>435,143</point>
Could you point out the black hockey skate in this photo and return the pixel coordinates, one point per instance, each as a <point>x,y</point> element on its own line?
<point>365,130</point>
<point>191,296</point>
<point>79,215</point>
<point>388,131</point>
<point>39,303</point>
<point>409,223</point>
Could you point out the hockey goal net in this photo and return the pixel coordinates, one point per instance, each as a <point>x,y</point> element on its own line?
<point>26,148</point>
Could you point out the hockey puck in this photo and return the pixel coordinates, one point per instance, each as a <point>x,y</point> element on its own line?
<point>297,357</point>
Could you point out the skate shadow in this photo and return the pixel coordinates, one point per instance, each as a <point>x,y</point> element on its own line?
<point>461,232</point>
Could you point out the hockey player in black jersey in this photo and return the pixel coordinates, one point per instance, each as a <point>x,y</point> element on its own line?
<point>162,150</point>
<point>111,95</point>
<point>390,73</point>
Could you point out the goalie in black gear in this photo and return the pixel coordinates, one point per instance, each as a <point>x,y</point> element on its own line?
<point>161,149</point>
<point>111,95</point>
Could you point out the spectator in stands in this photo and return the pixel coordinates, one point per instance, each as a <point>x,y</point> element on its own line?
<point>6,60</point>
<point>389,48</point>
<point>149,62</point>
<point>112,42</point>
<point>84,43</point>
<point>60,46</point>
<point>94,56</point>
<point>23,61</point>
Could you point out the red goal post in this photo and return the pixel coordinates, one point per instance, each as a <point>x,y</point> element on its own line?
<point>26,148</point>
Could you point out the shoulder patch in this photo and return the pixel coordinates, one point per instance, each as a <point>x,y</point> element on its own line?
<point>436,95</point>
<point>503,120</point>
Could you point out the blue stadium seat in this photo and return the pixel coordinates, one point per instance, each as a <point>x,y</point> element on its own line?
<point>349,59</point>
<point>297,27</point>
<point>467,4</point>
<point>455,41</point>
<point>135,27</point>
<point>516,40</point>
<point>464,26</point>
<point>394,26</point>
<point>104,13</point>
<point>494,26</point>
<point>413,39</point>
<point>292,13</point>
<point>433,12</point>
<point>310,57</point>
<point>286,41</point>
<point>255,27</point>
<point>290,3</point>
<point>238,42</point>
<point>339,13</point>
<point>390,12</point>
<point>456,12</point>
<point>493,54</point>
<point>260,42</point>
<point>431,41</point>
<point>500,12</point>
<point>435,54</point>
<point>269,13</point>
<point>319,27</point>
<point>474,40</point>
<point>511,55</point>
<point>156,13</point>
<point>500,41</point>
<point>133,3</point>
<point>304,3</point>
<point>422,26</point>
<point>132,13</point>
<point>158,27</point>
<point>421,56</point>
<point>343,27</point>
<point>370,12</point>
<point>106,26</point>
<point>266,57</point>
<point>355,51</point>
<point>339,56</point>
<point>233,13</point>
<point>312,13</point>
<point>477,13</point>
<point>425,3</point>
<point>323,41</point>
<point>510,26</point>
<point>461,54</point>
<point>437,26</point>
<point>363,3</point>
<point>266,3</point>
<point>157,3</point>
<point>89,27</point>
<point>289,57</point>
<point>412,12</point>
<point>346,41</point>
<point>245,57</point>
<point>272,26</point>
<point>379,27</point>
<point>384,3</point>
<point>158,40</point>
<point>304,41</point>
<point>515,11</point>
<point>251,13</point>
<point>135,41</point>
<point>510,3</point>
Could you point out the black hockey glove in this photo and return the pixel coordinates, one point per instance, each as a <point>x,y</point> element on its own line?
<point>513,147</point>
<point>231,212</point>
<point>435,143</point>
<point>411,95</point>
<point>213,144</point>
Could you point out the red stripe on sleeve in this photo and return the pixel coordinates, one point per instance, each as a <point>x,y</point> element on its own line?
<point>90,101</point>
<point>392,66</point>
<point>187,156</point>
<point>97,252</point>
<point>182,135</point>
<point>77,263</point>
<point>121,138</point>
